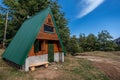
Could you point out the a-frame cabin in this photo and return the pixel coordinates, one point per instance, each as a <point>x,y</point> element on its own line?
<point>37,41</point>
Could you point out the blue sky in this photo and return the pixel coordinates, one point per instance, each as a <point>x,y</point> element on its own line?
<point>92,16</point>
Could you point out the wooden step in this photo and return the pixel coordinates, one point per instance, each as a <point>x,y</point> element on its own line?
<point>32,66</point>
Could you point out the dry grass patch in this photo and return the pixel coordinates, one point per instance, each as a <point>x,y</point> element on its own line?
<point>107,62</point>
<point>82,68</point>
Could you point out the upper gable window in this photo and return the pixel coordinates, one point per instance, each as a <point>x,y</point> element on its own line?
<point>48,28</point>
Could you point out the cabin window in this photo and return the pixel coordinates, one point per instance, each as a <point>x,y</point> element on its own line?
<point>37,46</point>
<point>48,28</point>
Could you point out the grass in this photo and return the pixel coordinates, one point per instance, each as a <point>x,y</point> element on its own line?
<point>73,69</point>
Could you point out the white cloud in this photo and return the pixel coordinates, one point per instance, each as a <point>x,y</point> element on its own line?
<point>88,6</point>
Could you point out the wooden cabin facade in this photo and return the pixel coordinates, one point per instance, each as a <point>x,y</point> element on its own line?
<point>37,41</point>
<point>45,37</point>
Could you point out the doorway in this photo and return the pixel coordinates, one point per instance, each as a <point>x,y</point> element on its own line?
<point>50,51</point>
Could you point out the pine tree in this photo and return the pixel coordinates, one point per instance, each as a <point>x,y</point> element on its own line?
<point>91,42</point>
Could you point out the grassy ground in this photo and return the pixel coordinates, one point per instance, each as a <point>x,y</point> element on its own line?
<point>73,69</point>
<point>82,69</point>
<point>9,73</point>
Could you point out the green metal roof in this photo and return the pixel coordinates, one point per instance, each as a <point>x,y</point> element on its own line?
<point>18,49</point>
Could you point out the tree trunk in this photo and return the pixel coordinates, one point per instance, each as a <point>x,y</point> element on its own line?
<point>5,32</point>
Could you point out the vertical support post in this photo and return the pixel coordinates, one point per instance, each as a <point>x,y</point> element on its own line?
<point>60,56</point>
<point>60,53</point>
<point>43,49</point>
<point>27,64</point>
<point>44,45</point>
<point>5,32</point>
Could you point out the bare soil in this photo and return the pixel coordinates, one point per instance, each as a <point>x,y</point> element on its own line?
<point>45,74</point>
<point>109,66</point>
<point>49,73</point>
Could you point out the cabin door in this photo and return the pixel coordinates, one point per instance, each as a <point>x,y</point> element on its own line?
<point>50,51</point>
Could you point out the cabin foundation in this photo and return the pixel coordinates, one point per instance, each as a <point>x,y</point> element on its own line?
<point>58,57</point>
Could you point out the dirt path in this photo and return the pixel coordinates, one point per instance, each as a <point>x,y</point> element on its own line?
<point>109,66</point>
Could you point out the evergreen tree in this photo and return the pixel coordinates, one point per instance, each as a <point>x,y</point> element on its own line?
<point>82,42</point>
<point>105,42</point>
<point>74,45</point>
<point>91,42</point>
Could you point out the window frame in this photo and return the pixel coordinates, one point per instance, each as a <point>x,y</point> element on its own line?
<point>37,46</point>
<point>45,25</point>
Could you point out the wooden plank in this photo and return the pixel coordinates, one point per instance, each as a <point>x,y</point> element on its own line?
<point>39,63</point>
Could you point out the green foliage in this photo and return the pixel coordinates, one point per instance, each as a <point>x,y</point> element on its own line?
<point>74,45</point>
<point>117,47</point>
<point>82,41</point>
<point>88,43</point>
<point>102,42</point>
<point>1,28</point>
<point>105,42</point>
<point>91,42</point>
